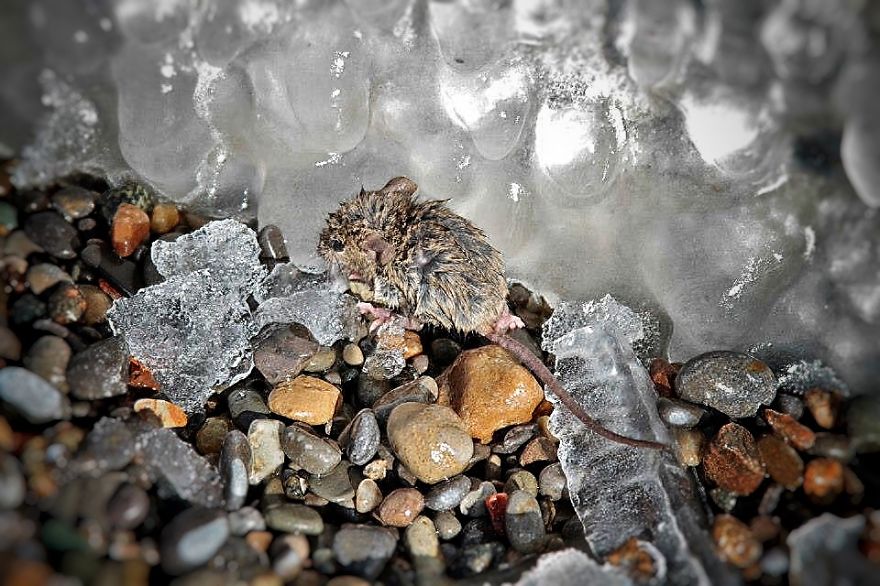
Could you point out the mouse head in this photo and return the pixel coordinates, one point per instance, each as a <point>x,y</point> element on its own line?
<point>368,231</point>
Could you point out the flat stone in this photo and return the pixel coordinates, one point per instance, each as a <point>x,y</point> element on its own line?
<point>522,480</point>
<point>523,522</point>
<point>447,524</point>
<point>294,518</point>
<point>309,452</point>
<point>52,233</point>
<point>515,438</point>
<point>10,345</point>
<point>321,361</point>
<point>552,482</point>
<point>732,460</point>
<point>540,449</point>
<point>100,371</point>
<point>305,399</point>
<point>212,433</point>
<point>168,414</point>
<point>421,390</point>
<point>421,538</point>
<point>42,277</point>
<point>797,434</point>
<point>368,496</point>
<point>264,437</point>
<point>192,538</point>
<point>283,355</point>
<point>235,465</point>
<point>362,439</point>
<point>448,494</point>
<point>128,507</point>
<point>335,486</point>
<point>400,507</point>
<point>290,554</point>
<point>363,550</point>
<point>352,355</point>
<point>431,441</point>
<point>31,396</point>
<point>49,357</point>
<point>732,382</point>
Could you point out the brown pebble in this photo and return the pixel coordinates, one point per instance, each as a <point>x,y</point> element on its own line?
<point>663,376</point>
<point>97,305</point>
<point>430,440</point>
<point>782,461</point>
<point>259,540</point>
<point>305,398</point>
<point>732,460</point>
<point>635,560</point>
<point>209,438</point>
<point>401,507</point>
<point>539,449</point>
<point>797,434</point>
<point>165,218</point>
<point>168,413</point>
<point>764,528</point>
<point>131,226</point>
<point>490,390</point>
<point>734,541</point>
<point>412,344</point>
<point>67,304</point>
<point>7,436</point>
<point>823,479</point>
<point>823,405</point>
<point>688,445</point>
<point>140,376</point>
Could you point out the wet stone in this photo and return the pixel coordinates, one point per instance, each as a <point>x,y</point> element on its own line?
<point>74,202</point>
<point>295,486</point>
<point>99,371</point>
<point>10,345</point>
<point>352,355</point>
<point>180,470</point>
<point>363,438</point>
<point>52,233</point>
<point>49,357</point>
<point>309,452</point>
<point>245,520</point>
<point>782,461</point>
<point>272,244</point>
<point>734,541</point>
<point>335,486</point>
<point>235,466</point>
<point>192,538</point>
<point>368,496</point>
<point>474,502</point>
<point>42,277</point>
<point>283,355</point>
<point>31,396</point>
<point>66,304</point>
<point>133,194</point>
<point>679,413</point>
<point>448,494</point>
<point>294,518</point>
<point>167,413</point>
<point>421,390</point>
<point>264,437</point>
<point>97,305</point>
<point>164,218</point>
<point>430,440</point>
<point>798,435</point>
<point>128,507</point>
<point>515,438</point>
<point>552,482</point>
<point>732,460</point>
<point>522,480</point>
<point>447,524</point>
<point>688,446</point>
<point>523,522</point>
<point>305,399</point>
<point>245,406</point>
<point>732,382</point>
<point>400,507</point>
<point>363,550</point>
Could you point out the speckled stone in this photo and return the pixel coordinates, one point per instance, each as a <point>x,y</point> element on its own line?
<point>31,396</point>
<point>431,440</point>
<point>732,382</point>
<point>305,399</point>
<point>49,357</point>
<point>732,460</point>
<point>99,371</point>
<point>235,465</point>
<point>447,495</point>
<point>362,438</point>
<point>315,455</point>
<point>294,518</point>
<point>401,507</point>
<point>523,522</point>
<point>264,437</point>
<point>283,355</point>
<point>66,304</point>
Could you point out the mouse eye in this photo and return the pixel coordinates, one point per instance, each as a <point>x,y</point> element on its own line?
<point>336,245</point>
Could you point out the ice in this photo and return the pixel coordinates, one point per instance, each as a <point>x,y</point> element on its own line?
<point>712,161</point>
<point>825,551</point>
<point>618,491</point>
<point>571,567</point>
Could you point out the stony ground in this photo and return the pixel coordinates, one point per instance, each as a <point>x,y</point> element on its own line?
<point>318,468</point>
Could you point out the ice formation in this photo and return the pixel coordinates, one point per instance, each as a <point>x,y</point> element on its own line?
<point>570,567</point>
<point>716,160</point>
<point>618,491</point>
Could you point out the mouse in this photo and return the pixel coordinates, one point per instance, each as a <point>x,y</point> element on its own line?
<point>424,264</point>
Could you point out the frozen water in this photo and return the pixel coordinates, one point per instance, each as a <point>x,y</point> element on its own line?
<point>735,138</point>
<point>825,551</point>
<point>619,491</point>
<point>571,567</point>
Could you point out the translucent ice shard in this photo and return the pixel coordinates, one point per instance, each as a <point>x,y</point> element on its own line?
<point>619,491</point>
<point>825,551</point>
<point>571,567</point>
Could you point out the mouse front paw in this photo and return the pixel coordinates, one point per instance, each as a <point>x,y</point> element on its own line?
<point>507,322</point>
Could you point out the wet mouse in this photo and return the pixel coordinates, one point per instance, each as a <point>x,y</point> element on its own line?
<point>435,267</point>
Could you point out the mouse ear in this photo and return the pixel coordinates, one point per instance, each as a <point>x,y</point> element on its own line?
<point>401,185</point>
<point>383,250</point>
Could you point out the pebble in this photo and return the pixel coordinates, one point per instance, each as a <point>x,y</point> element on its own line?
<point>130,193</point>
<point>352,355</point>
<point>823,479</point>
<point>362,438</point>
<point>305,399</point>
<point>688,446</point>
<point>74,202</point>
<point>522,480</point>
<point>540,449</point>
<point>421,390</point>
<point>211,435</point>
<point>473,504</point>
<point>832,445</point>
<point>294,518</point>
<point>66,304</point>
<point>49,357</point>
<point>42,277</point>
<point>19,245</point>
<point>8,218</point>
<point>447,524</point>
<point>295,486</point>
<point>322,360</point>
<point>412,344</point>
<point>420,364</point>
<point>97,305</point>
<point>637,559</point>
<point>164,218</point>
<point>52,233</point>
<point>677,413</point>
<point>732,382</point>
<point>290,554</point>
<point>430,440</point>
<point>515,438</point>
<point>783,463</point>
<point>335,486</point>
<point>421,538</point>
<point>552,482</point>
<point>272,243</point>
<point>448,494</point>
<point>369,390</point>
<point>245,405</point>
<point>798,435</point>
<point>31,396</point>
<point>523,522</point>
<point>863,424</point>
<point>192,538</point>
<point>27,309</point>
<point>245,520</point>
<point>732,460</point>
<point>264,436</point>
<point>168,414</point>
<point>128,507</point>
<point>400,507</point>
<point>121,273</point>
<point>309,452</point>
<point>13,487</point>
<point>131,226</point>
<point>490,390</point>
<point>734,541</point>
<point>99,371</point>
<point>235,465</point>
<point>823,406</point>
<point>363,550</point>
<point>790,404</point>
<point>368,496</point>
<point>283,355</point>
<point>10,345</point>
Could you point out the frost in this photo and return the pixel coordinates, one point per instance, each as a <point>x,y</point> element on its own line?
<point>619,491</point>
<point>571,567</point>
<point>825,551</point>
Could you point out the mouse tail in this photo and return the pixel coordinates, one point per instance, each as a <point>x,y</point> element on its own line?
<point>540,370</point>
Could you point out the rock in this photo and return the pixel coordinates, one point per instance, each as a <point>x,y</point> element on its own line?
<point>164,218</point>
<point>97,305</point>
<point>168,414</point>
<point>863,424</point>
<point>447,524</point>
<point>52,233</point>
<point>28,308</point>
<point>245,520</point>
<point>290,554</point>
<point>100,371</point>
<point>540,449</point>
<point>431,440</point>
<point>732,382</point>
<point>473,504</point>
<point>211,435</point>
<point>309,452</point>
<point>321,361</point>
<point>386,360</point>
<point>823,406</point>
<point>246,405</point>
<point>305,399</point>
<point>688,446</point>
<point>295,486</point>
<point>490,390</point>
<point>352,355</point>
<point>130,228</point>
<point>448,494</point>
<point>782,462</point>
<point>13,487</point>
<point>420,364</point>
<point>421,538</point>
<point>798,435</point>
<point>362,437</point>
<point>235,465</point>
<point>734,541</point>
<point>283,355</point>
<point>637,559</point>
<point>128,507</point>
<point>49,357</point>
<point>264,437</point>
<point>66,304</point>
<point>31,396</point>
<point>732,460</point>
<point>401,507</point>
<point>363,550</point>
<point>368,496</point>
<point>192,538</point>
<point>272,244</point>
<point>678,413</point>
<point>522,480</point>
<point>515,438</point>
<point>74,202</point>
<point>42,277</point>
<point>823,479</point>
<point>179,469</point>
<point>421,390</point>
<point>412,344</point>
<point>523,522</point>
<point>335,486</point>
<point>552,482</point>
<point>121,273</point>
<point>10,345</point>
<point>294,518</point>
